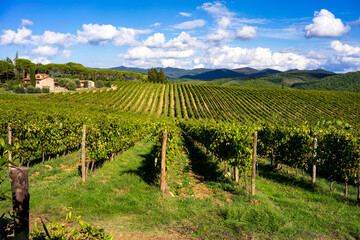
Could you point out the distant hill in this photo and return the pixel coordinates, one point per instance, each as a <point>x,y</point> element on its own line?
<point>349,82</point>
<point>293,77</point>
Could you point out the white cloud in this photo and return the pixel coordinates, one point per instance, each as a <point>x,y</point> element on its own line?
<point>155,51</point>
<point>157,24</point>
<point>96,34</point>
<point>101,34</point>
<point>157,40</point>
<point>184,41</point>
<point>20,37</point>
<point>143,52</point>
<point>25,22</point>
<point>45,51</point>
<point>346,49</point>
<point>356,22</point>
<point>224,22</point>
<point>260,58</point>
<point>326,25</point>
<point>184,14</point>
<point>190,24</point>
<point>246,33</point>
<point>53,38</point>
<point>126,36</point>
<point>66,53</point>
<point>217,9</point>
<point>42,60</point>
<point>220,35</point>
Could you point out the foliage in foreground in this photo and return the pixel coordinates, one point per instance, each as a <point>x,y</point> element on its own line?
<point>66,230</point>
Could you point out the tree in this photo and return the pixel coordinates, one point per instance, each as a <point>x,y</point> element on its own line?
<point>152,75</point>
<point>32,77</point>
<point>156,76</point>
<point>161,77</point>
<point>6,71</point>
<point>23,65</point>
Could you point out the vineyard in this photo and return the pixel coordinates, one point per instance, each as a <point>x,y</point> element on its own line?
<point>223,103</point>
<point>316,132</point>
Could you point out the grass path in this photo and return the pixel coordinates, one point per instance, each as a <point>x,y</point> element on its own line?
<point>123,198</point>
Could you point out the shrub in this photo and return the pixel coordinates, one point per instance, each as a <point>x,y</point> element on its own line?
<point>99,84</point>
<point>19,89</point>
<point>78,83</point>
<point>37,90</point>
<point>86,84</point>
<point>71,86</point>
<point>63,82</point>
<point>9,85</point>
<point>30,89</point>
<point>108,84</point>
<point>45,90</point>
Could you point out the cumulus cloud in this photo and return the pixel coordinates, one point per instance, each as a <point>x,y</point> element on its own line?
<point>243,33</point>
<point>184,14</point>
<point>184,41</point>
<point>246,33</point>
<point>326,25</point>
<point>53,38</point>
<point>157,40</point>
<point>260,58</point>
<point>20,37</point>
<point>143,52</point>
<point>101,34</point>
<point>155,51</point>
<point>25,22</point>
<point>66,53</point>
<point>96,34</point>
<point>190,24</point>
<point>346,49</point>
<point>45,51</point>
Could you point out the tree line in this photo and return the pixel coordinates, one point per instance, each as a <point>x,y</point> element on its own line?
<point>20,68</point>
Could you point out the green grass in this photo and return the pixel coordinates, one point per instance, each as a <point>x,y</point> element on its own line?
<point>123,196</point>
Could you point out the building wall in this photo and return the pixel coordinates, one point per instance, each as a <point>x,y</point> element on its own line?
<point>47,82</point>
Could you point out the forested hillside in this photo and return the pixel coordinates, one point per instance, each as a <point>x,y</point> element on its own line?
<point>343,82</point>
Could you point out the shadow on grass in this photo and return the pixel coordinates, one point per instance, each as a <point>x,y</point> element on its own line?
<point>269,172</point>
<point>208,170</point>
<point>147,169</point>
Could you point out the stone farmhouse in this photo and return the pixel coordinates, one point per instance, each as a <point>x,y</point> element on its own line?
<point>41,81</point>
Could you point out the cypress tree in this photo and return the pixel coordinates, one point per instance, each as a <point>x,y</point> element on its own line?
<point>32,76</point>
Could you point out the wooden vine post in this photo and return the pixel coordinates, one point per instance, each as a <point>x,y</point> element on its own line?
<point>253,174</point>
<point>313,178</point>
<point>83,169</point>
<point>21,200</point>
<point>9,141</point>
<point>163,163</point>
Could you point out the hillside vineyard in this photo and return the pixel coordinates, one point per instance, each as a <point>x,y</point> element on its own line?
<point>224,103</point>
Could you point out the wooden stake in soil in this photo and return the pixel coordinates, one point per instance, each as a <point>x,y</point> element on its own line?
<point>313,179</point>
<point>9,141</point>
<point>163,163</point>
<point>358,180</point>
<point>253,174</point>
<point>21,200</point>
<point>83,169</point>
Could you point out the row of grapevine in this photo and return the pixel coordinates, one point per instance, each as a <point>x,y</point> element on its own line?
<point>223,103</point>
<point>333,147</point>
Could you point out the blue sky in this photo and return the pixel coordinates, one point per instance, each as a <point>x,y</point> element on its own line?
<point>188,34</point>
